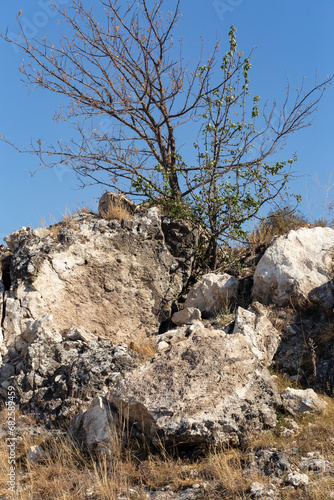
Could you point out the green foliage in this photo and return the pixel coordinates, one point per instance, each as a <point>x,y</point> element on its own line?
<point>229,188</point>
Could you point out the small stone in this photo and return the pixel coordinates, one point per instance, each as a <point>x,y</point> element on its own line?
<point>162,346</point>
<point>35,453</point>
<point>297,479</point>
<point>186,316</point>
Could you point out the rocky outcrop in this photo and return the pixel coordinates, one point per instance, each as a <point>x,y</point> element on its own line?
<point>209,387</point>
<point>117,278</point>
<point>186,316</point>
<point>212,293</point>
<point>297,267</point>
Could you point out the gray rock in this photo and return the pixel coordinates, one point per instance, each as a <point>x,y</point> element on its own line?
<point>89,271</point>
<point>297,479</point>
<point>55,378</point>
<point>35,453</point>
<point>259,331</point>
<point>208,388</point>
<point>96,428</point>
<point>316,463</point>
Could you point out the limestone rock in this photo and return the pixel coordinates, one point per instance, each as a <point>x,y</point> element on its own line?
<point>41,327</point>
<point>297,479</point>
<point>186,316</point>
<point>259,331</point>
<point>116,278</point>
<point>79,333</point>
<point>208,388</point>
<point>316,464</point>
<point>297,266</point>
<point>298,401</point>
<point>109,201</point>
<point>212,292</point>
<point>96,427</point>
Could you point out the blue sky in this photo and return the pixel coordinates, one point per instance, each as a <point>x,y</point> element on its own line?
<point>293,37</point>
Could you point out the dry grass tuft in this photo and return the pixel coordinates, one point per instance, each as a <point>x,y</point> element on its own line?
<point>144,346</point>
<point>117,212</point>
<point>224,467</point>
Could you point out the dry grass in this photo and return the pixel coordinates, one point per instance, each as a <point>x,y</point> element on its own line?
<point>66,472</point>
<point>117,212</point>
<point>144,346</point>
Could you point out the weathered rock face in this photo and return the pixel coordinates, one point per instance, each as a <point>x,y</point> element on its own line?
<point>297,266</point>
<point>212,293</point>
<point>53,378</point>
<point>209,387</point>
<point>116,278</point>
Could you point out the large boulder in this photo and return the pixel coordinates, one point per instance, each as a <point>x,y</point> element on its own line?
<point>117,278</point>
<point>297,267</point>
<point>208,388</point>
<point>212,293</point>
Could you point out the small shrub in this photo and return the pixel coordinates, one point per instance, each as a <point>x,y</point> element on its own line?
<point>278,222</point>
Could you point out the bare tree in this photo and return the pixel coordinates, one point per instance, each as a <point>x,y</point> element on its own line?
<point>121,63</point>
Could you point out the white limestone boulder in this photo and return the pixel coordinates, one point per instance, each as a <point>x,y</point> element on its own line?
<point>95,427</point>
<point>297,266</point>
<point>212,293</point>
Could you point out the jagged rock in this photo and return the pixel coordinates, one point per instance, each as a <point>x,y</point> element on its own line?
<point>269,462</point>
<point>263,491</point>
<point>54,378</point>
<point>41,327</point>
<point>298,401</point>
<point>79,333</point>
<point>212,293</point>
<point>109,200</point>
<point>259,331</point>
<point>186,316</point>
<point>93,272</point>
<point>209,387</point>
<point>96,428</point>
<point>296,267</point>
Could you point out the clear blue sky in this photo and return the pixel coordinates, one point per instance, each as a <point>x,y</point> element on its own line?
<point>292,36</point>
